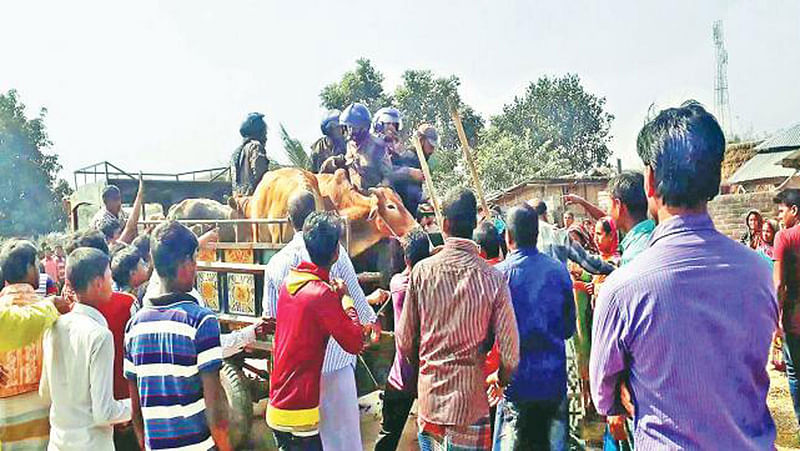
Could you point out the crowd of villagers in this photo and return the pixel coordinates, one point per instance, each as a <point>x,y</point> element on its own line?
<point>656,301</point>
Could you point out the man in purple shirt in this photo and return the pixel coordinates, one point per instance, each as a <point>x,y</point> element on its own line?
<point>687,325</point>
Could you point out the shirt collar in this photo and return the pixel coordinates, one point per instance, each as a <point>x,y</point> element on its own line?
<point>91,312</point>
<point>526,251</point>
<point>461,244</point>
<point>171,298</point>
<point>642,228</point>
<point>681,224</point>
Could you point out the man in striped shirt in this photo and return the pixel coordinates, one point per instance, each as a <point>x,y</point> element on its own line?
<point>173,356</point>
<point>339,426</point>
<point>456,306</point>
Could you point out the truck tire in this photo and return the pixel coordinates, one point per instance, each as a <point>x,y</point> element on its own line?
<point>240,403</point>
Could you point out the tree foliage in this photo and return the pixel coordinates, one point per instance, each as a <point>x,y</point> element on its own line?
<point>295,151</point>
<point>30,192</point>
<point>559,117</point>
<point>364,84</point>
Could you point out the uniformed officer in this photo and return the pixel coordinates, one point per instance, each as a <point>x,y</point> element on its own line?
<point>331,144</point>
<point>249,162</point>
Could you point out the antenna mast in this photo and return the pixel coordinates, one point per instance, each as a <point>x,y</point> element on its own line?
<point>721,102</point>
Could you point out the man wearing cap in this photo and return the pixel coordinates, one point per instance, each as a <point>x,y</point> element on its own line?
<point>249,162</point>
<point>407,168</point>
<point>331,144</point>
<point>111,209</point>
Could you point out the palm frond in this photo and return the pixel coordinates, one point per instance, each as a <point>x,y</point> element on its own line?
<point>294,150</point>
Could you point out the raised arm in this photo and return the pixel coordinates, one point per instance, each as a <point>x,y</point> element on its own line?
<point>131,227</point>
<point>591,263</point>
<point>591,209</point>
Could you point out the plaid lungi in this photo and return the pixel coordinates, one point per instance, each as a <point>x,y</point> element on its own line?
<point>24,423</point>
<point>477,436</point>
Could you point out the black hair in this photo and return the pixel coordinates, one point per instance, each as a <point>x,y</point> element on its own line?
<point>416,246</point>
<point>110,228</point>
<point>142,245</point>
<point>123,262</point>
<point>789,197</point>
<point>88,238</point>
<point>461,209</point>
<point>522,224</point>
<point>84,265</point>
<point>488,238</point>
<point>541,208</point>
<point>301,205</point>
<point>605,223</point>
<point>321,233</point>
<point>628,187</point>
<point>684,147</point>
<point>173,244</point>
<point>111,192</point>
<point>16,258</point>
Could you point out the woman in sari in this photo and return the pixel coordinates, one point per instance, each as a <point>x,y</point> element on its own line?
<point>768,231</point>
<point>606,238</point>
<point>754,222</point>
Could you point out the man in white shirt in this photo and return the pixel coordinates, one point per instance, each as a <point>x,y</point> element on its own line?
<point>79,361</point>
<point>339,426</point>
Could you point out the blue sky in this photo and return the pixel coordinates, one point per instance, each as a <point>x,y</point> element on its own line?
<point>164,85</point>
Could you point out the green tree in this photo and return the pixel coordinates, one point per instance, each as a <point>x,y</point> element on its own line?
<point>294,150</point>
<point>364,84</point>
<point>30,192</point>
<point>559,117</point>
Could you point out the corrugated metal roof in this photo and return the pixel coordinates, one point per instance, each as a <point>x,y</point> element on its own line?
<point>762,166</point>
<point>785,139</point>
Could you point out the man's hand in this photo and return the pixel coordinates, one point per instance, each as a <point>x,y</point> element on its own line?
<point>616,425</point>
<point>416,174</point>
<point>626,399</point>
<point>265,327</point>
<point>340,287</point>
<point>589,289</point>
<point>63,305</point>
<point>494,391</point>
<point>573,199</point>
<point>372,332</point>
<point>378,297</point>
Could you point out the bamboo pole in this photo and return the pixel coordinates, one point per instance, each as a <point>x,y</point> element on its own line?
<point>468,156</point>
<point>426,171</point>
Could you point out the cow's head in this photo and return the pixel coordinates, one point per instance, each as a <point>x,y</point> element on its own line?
<point>389,214</point>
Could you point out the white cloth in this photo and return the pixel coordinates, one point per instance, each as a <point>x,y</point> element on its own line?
<point>78,376</point>
<point>290,256</point>
<point>339,419</point>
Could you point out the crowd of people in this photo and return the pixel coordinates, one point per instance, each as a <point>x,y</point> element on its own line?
<point>672,322</point>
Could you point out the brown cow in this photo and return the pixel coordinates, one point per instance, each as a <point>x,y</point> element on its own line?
<point>372,218</point>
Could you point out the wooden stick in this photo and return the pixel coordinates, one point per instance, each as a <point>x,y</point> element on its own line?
<point>468,156</point>
<point>426,171</point>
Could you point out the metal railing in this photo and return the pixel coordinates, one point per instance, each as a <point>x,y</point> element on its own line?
<point>105,171</point>
<point>255,243</point>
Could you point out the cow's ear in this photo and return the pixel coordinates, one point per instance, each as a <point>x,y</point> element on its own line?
<point>373,212</point>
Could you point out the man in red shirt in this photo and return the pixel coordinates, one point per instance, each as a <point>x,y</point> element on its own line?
<point>311,309</point>
<point>785,275</point>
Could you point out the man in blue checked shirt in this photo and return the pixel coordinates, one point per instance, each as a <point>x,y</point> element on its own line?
<point>339,426</point>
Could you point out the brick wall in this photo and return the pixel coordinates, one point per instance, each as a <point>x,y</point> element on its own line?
<point>728,211</point>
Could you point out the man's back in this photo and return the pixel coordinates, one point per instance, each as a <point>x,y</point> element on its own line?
<point>691,319</point>
<point>80,343</point>
<point>541,292</point>
<point>454,302</point>
<point>167,346</point>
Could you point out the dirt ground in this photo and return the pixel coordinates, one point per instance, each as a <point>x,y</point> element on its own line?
<point>779,401</point>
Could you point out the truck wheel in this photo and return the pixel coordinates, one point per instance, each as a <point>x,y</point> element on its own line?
<point>240,403</point>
